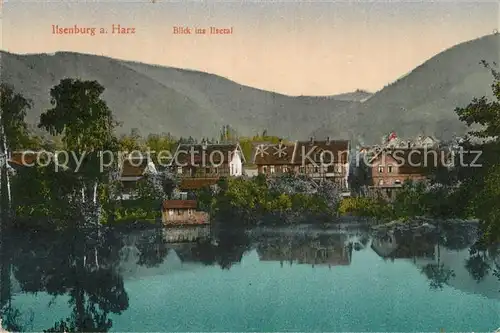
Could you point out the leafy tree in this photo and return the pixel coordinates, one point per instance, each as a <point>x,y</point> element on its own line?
<point>483,184</point>
<point>150,190</point>
<point>80,115</point>
<point>161,143</point>
<point>283,199</point>
<point>86,124</point>
<point>438,275</point>
<point>153,249</point>
<point>247,143</point>
<point>478,267</point>
<point>292,184</point>
<point>228,134</point>
<point>409,200</point>
<point>13,132</point>
<point>46,200</point>
<point>13,128</point>
<point>130,143</point>
<point>330,193</point>
<point>59,267</point>
<point>375,207</point>
<point>169,181</point>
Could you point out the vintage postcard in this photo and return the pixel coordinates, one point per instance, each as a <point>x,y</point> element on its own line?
<point>249,166</point>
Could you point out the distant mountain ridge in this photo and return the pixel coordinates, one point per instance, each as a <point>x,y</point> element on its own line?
<point>158,99</point>
<point>358,95</point>
<point>424,100</point>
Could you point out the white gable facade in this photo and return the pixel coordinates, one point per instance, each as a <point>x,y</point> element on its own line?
<point>236,164</point>
<point>151,169</point>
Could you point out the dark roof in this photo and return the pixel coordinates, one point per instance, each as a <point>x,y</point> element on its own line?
<point>20,158</point>
<point>197,183</point>
<point>179,204</point>
<point>317,151</point>
<point>336,149</point>
<point>273,154</point>
<point>214,153</point>
<point>134,167</point>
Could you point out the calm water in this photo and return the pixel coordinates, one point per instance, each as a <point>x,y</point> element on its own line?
<point>275,281</point>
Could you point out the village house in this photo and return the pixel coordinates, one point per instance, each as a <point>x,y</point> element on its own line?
<point>23,159</point>
<point>183,238</point>
<point>311,253</point>
<point>324,160</point>
<point>420,141</point>
<point>183,212</point>
<point>321,160</point>
<point>389,247</point>
<point>131,170</point>
<point>201,165</point>
<point>31,159</point>
<point>274,158</point>
<point>390,168</point>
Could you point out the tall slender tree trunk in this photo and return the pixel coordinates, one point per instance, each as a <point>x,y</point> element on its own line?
<point>95,193</point>
<point>5,195</point>
<point>7,156</point>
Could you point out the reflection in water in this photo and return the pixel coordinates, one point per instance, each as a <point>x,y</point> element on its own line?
<point>452,257</point>
<point>90,271</point>
<point>80,267</point>
<point>330,250</point>
<point>424,249</point>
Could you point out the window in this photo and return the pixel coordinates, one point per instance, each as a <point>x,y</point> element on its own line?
<point>316,169</point>
<point>301,169</point>
<point>207,170</point>
<point>397,182</point>
<point>216,171</point>
<point>179,170</point>
<point>389,168</point>
<point>190,212</point>
<point>264,169</point>
<point>272,168</point>
<point>170,212</point>
<point>285,169</point>
<point>380,169</point>
<point>179,212</point>
<point>381,182</point>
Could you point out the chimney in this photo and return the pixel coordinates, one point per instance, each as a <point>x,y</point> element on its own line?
<point>327,140</point>
<point>311,141</point>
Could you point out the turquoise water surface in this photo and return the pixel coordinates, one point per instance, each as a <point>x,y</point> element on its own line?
<point>284,283</point>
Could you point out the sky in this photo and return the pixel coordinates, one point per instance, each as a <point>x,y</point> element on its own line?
<point>308,48</point>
